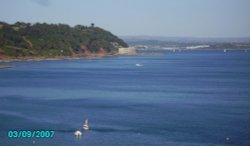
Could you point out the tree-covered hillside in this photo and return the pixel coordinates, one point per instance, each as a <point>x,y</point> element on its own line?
<point>25,39</point>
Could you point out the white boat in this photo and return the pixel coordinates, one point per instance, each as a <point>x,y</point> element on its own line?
<point>85,125</point>
<point>78,133</point>
<point>225,50</point>
<point>138,64</point>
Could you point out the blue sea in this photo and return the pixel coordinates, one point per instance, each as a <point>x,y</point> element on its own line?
<point>187,98</point>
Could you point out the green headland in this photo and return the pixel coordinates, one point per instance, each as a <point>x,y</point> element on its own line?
<point>22,40</point>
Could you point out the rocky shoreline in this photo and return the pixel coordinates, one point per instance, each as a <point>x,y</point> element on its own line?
<point>74,57</point>
<point>42,58</point>
<point>6,59</point>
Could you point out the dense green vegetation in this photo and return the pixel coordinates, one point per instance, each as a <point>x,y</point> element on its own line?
<point>25,39</point>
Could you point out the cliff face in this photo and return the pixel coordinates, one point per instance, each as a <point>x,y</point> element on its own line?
<point>24,39</point>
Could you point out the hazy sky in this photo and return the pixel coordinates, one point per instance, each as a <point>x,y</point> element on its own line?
<point>194,18</point>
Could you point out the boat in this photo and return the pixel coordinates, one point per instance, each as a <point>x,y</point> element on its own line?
<point>225,50</point>
<point>78,133</point>
<point>138,64</point>
<point>85,125</point>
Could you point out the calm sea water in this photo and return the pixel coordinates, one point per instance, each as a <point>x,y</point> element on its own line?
<point>188,98</point>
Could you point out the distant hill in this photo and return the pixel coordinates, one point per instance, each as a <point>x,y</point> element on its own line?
<point>187,39</point>
<point>41,39</point>
<point>183,42</point>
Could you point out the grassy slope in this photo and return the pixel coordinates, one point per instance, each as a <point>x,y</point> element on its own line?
<point>23,39</point>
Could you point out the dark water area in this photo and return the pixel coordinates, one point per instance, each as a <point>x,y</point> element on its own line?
<point>188,98</point>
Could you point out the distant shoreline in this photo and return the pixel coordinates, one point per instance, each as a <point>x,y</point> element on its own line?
<point>3,67</point>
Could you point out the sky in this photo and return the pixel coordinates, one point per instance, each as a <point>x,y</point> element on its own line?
<point>171,18</point>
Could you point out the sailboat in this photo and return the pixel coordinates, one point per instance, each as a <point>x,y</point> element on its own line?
<point>85,125</point>
<point>78,133</point>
